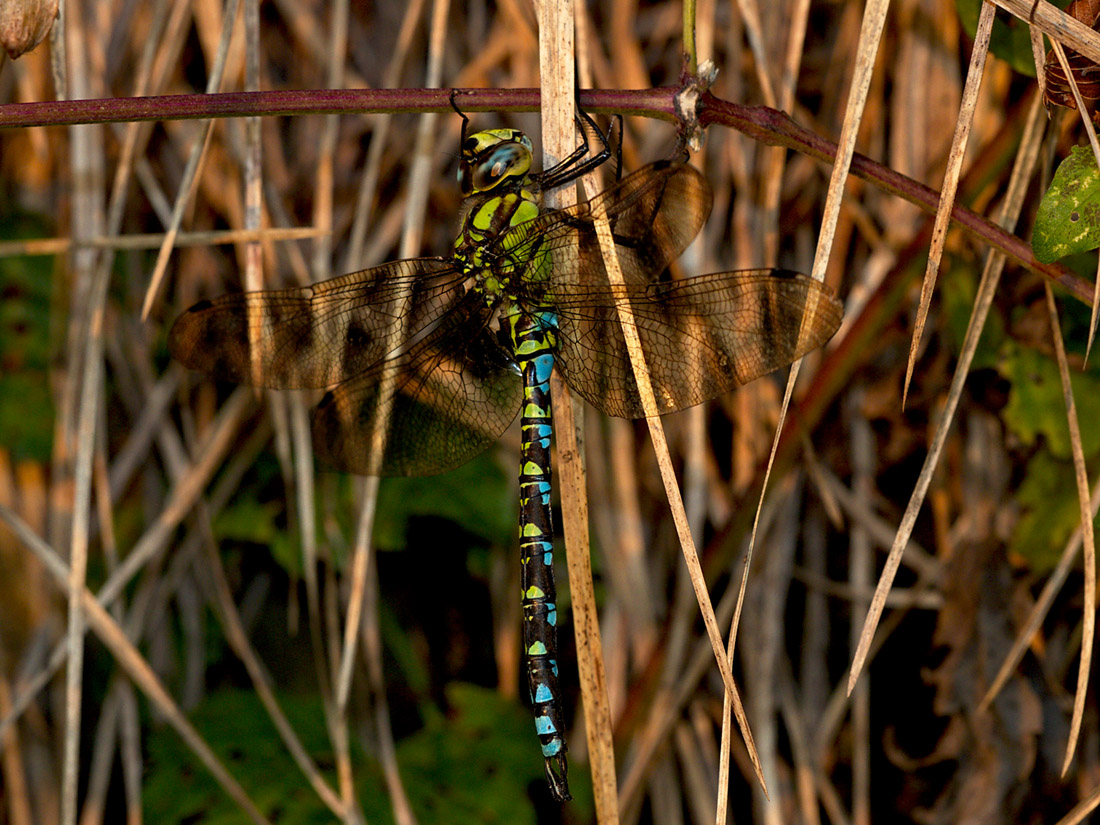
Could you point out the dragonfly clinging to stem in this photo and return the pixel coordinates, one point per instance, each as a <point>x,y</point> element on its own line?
<point>479,331</point>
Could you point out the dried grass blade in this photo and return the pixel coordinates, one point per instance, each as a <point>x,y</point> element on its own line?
<point>188,185</point>
<point>83,386</point>
<point>368,182</point>
<point>57,246</point>
<point>412,233</point>
<point>1081,477</point>
<point>672,490</point>
<point>183,495</point>
<point>1039,610</point>
<point>750,14</point>
<point>190,180</point>
<point>1039,57</point>
<point>860,572</point>
<point>1082,809</point>
<point>237,638</point>
<point>568,432</point>
<point>951,181</point>
<point>558,36</point>
<point>870,35</point>
<point>1021,175</point>
<point>131,661</point>
<point>1055,24</point>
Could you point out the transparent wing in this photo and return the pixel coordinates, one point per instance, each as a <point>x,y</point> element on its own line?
<point>315,336</point>
<point>700,336</point>
<point>451,396</point>
<point>653,214</point>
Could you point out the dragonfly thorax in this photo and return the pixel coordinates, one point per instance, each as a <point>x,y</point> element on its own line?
<point>500,194</point>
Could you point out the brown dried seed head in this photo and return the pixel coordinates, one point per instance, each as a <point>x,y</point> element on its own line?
<point>24,24</point>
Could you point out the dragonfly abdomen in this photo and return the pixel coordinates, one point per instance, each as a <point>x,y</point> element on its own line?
<point>533,339</point>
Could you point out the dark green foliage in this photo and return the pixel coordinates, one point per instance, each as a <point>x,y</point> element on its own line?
<point>477,496</point>
<point>472,764</point>
<point>1050,512</point>
<point>957,292</point>
<point>1010,40</point>
<point>26,423</point>
<point>257,522</point>
<point>1036,415</point>
<point>179,789</point>
<point>1036,406</point>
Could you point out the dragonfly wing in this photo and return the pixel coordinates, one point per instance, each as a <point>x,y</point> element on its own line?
<point>700,336</point>
<point>653,214</point>
<point>451,396</point>
<point>315,336</point>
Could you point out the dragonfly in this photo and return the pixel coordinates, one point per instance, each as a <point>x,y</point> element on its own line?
<point>426,361</point>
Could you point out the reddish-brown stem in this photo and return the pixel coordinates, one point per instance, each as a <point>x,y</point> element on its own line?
<point>776,128</point>
<point>766,125</point>
<point>647,102</point>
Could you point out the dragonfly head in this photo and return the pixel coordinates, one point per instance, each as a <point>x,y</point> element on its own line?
<point>491,157</point>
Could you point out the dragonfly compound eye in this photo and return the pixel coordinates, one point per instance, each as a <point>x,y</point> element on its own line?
<point>508,160</point>
<point>492,156</point>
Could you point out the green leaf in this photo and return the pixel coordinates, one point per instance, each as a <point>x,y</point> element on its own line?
<point>246,519</point>
<point>1068,219</point>
<point>479,762</point>
<point>26,419</point>
<point>1050,511</point>
<point>473,764</point>
<point>178,789</point>
<point>478,496</point>
<point>1036,406</point>
<point>1010,40</point>
<point>958,291</point>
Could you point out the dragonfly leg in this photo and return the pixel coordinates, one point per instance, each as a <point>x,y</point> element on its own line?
<point>572,166</point>
<point>461,114</point>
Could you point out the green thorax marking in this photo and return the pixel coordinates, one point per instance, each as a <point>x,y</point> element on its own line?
<point>501,194</point>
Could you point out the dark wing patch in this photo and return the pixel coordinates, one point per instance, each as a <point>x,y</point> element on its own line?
<point>451,395</point>
<point>315,336</point>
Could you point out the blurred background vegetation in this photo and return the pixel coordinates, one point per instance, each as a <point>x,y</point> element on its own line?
<point>208,482</point>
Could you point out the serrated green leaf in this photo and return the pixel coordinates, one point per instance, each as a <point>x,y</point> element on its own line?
<point>1036,406</point>
<point>1068,219</point>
